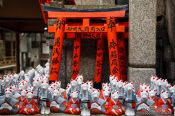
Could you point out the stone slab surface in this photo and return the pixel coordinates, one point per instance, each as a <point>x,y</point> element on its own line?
<point>161,7</point>
<point>142,41</point>
<point>140,75</point>
<point>95,2</point>
<point>87,60</point>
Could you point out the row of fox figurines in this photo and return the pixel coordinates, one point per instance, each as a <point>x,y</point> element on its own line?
<point>30,93</point>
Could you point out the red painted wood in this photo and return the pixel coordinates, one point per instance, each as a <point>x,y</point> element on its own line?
<point>113,48</point>
<point>86,14</point>
<point>93,35</point>
<point>82,29</point>
<point>76,58</point>
<point>122,57</point>
<point>99,61</point>
<point>57,50</point>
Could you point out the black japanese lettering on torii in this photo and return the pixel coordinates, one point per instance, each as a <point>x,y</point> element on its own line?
<point>115,70</point>
<point>55,51</point>
<point>97,29</point>
<point>86,29</point>
<point>75,72</point>
<point>113,54</point>
<point>99,71</point>
<point>111,23</point>
<point>54,70</point>
<point>99,63</point>
<point>75,55</point>
<point>75,63</point>
<point>57,41</point>
<point>113,44</point>
<point>55,60</point>
<point>76,47</point>
<point>114,62</point>
<point>100,47</point>
<point>59,23</point>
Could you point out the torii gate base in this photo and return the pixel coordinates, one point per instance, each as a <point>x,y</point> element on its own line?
<point>84,27</point>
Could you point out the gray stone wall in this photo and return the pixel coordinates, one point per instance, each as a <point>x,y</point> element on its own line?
<point>142,41</point>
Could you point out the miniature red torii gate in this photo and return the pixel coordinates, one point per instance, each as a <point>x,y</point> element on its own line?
<point>112,30</point>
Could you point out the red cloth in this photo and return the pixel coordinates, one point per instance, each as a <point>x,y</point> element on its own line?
<point>20,103</point>
<point>54,109</point>
<point>95,110</point>
<point>29,110</point>
<point>110,110</point>
<point>5,112</point>
<point>76,110</point>
<point>106,99</point>
<point>158,106</point>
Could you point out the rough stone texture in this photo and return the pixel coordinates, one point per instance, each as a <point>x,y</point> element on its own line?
<point>170,18</point>
<point>170,71</point>
<point>122,2</point>
<point>90,6</point>
<point>95,2</point>
<point>142,41</point>
<point>87,61</point>
<point>69,54</point>
<point>108,2</point>
<point>140,75</point>
<point>161,7</point>
<point>62,73</point>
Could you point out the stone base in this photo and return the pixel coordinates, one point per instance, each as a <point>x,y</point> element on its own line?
<point>140,75</point>
<point>95,2</point>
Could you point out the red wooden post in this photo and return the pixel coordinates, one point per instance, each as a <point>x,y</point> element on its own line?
<point>122,56</point>
<point>57,50</point>
<point>76,58</point>
<point>112,47</point>
<point>99,61</point>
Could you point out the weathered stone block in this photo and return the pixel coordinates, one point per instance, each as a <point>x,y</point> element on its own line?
<point>161,7</point>
<point>122,2</point>
<point>142,41</point>
<point>140,75</point>
<point>107,2</point>
<point>95,2</point>
<point>168,53</point>
<point>87,59</point>
<point>62,73</point>
<point>170,72</point>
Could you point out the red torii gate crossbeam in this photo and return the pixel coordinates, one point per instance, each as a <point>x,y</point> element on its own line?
<point>112,30</point>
